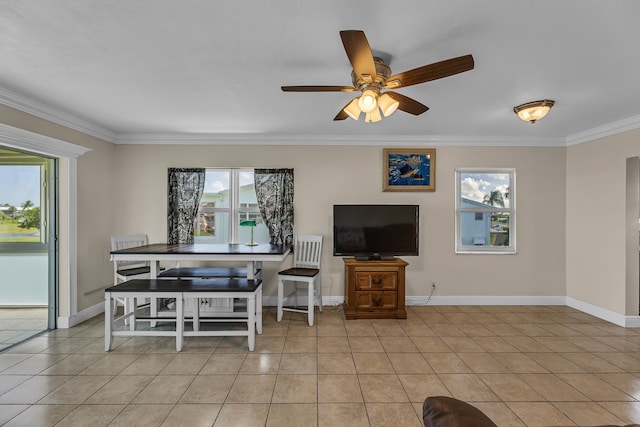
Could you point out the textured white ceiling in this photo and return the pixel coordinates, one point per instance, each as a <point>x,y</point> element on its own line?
<point>169,66</point>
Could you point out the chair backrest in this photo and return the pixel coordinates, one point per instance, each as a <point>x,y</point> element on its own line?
<point>307,251</point>
<point>125,242</point>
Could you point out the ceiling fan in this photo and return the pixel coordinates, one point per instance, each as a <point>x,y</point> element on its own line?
<point>371,75</point>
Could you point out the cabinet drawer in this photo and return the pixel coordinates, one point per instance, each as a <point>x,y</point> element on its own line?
<point>376,300</point>
<point>382,280</point>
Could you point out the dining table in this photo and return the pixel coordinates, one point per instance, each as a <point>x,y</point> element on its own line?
<point>155,253</point>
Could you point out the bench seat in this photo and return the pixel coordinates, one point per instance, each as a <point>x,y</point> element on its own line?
<point>187,285</point>
<point>181,290</point>
<point>207,272</point>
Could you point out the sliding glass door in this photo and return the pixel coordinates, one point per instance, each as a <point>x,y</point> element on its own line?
<point>28,253</point>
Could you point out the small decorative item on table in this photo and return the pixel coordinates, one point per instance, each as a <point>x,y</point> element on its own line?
<point>249,223</point>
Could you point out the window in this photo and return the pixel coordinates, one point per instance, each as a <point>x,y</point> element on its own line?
<point>23,200</point>
<point>485,211</point>
<point>229,197</point>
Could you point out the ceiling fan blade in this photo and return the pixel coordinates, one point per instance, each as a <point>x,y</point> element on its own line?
<point>359,53</point>
<point>434,71</point>
<point>407,104</point>
<point>318,88</point>
<point>341,115</point>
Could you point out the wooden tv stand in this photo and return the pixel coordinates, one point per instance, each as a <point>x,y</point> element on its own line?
<point>374,289</point>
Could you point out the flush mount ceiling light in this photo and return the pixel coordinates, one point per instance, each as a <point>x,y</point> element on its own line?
<point>533,111</point>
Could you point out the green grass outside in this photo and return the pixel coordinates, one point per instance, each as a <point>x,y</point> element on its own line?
<point>10,226</point>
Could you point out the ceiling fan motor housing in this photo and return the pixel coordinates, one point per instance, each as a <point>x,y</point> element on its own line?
<point>372,82</point>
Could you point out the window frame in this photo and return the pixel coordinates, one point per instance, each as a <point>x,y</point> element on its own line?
<point>234,211</point>
<point>511,210</point>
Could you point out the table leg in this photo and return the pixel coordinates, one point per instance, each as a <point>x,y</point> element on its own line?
<point>179,321</point>
<point>153,302</point>
<point>259,310</point>
<point>133,304</point>
<point>196,314</point>
<point>251,309</point>
<point>108,321</point>
<point>125,310</point>
<point>280,301</point>
<point>251,270</point>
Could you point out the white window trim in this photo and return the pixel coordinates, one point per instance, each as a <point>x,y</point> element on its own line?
<point>495,250</point>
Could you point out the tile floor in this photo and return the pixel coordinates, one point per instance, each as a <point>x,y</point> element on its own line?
<point>18,324</point>
<point>544,365</point>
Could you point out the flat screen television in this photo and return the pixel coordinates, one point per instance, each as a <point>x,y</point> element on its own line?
<point>375,231</point>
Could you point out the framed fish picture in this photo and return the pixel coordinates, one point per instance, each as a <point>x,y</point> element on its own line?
<point>409,169</point>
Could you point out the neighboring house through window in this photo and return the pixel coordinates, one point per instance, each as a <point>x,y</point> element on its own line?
<point>485,211</point>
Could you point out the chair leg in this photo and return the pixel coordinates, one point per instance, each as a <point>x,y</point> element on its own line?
<point>310,303</point>
<point>319,290</point>
<point>295,294</point>
<point>280,297</point>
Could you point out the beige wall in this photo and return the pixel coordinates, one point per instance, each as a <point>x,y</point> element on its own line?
<point>95,208</point>
<point>326,175</point>
<point>596,223</point>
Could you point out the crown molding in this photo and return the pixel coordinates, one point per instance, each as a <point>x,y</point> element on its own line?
<point>43,111</point>
<point>55,115</point>
<point>605,130</point>
<point>40,144</point>
<point>289,139</point>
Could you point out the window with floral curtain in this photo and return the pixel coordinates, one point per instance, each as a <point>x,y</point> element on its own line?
<point>185,190</point>
<point>274,191</point>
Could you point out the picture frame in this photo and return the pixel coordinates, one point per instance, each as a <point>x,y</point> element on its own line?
<point>409,169</point>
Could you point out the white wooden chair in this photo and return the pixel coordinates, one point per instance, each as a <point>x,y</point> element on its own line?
<point>307,256</point>
<point>127,270</point>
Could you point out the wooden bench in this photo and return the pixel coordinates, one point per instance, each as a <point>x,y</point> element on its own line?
<point>225,306</point>
<point>181,290</point>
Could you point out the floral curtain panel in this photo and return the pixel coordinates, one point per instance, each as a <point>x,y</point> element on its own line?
<point>185,190</point>
<point>274,190</point>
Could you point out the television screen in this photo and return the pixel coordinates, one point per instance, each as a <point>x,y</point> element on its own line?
<point>375,231</point>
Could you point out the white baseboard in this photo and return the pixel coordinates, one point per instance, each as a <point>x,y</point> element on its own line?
<point>604,314</point>
<point>65,322</point>
<point>485,300</point>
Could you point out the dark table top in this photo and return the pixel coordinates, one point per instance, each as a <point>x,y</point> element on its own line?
<point>188,285</point>
<point>205,249</point>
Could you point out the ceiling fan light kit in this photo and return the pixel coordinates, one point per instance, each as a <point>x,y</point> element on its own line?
<point>373,116</point>
<point>370,75</point>
<point>368,101</point>
<point>387,104</point>
<point>352,109</point>
<point>533,111</point>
